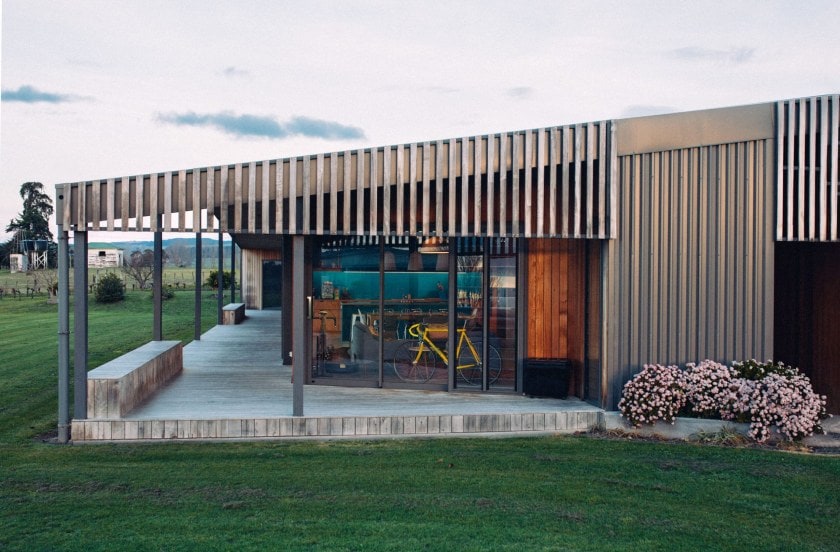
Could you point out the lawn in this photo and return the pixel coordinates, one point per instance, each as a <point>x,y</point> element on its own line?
<point>541,493</point>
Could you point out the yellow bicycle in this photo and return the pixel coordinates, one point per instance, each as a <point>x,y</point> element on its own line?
<point>415,361</point>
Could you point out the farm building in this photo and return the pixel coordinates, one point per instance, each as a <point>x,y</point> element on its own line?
<point>596,247</point>
<point>104,257</point>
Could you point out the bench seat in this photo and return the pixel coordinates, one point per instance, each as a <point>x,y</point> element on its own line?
<point>233,313</point>
<point>119,385</point>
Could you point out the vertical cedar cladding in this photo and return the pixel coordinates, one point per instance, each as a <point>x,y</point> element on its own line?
<point>549,182</point>
<point>807,159</point>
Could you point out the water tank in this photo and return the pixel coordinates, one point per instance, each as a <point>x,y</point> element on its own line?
<point>34,245</point>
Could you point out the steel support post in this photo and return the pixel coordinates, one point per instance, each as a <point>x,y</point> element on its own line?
<point>220,280</point>
<point>380,355</point>
<point>452,320</point>
<point>485,314</point>
<point>232,270</point>
<point>80,324</point>
<point>63,293</point>
<point>287,301</point>
<point>300,320</point>
<point>157,286</point>
<point>197,315</point>
<point>521,308</point>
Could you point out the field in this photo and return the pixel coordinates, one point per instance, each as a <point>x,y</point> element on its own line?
<point>542,493</point>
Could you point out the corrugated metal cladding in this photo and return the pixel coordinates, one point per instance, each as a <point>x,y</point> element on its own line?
<point>536,183</point>
<point>692,275</point>
<point>808,193</point>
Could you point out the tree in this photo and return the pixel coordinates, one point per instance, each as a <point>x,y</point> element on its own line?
<point>140,266</point>
<point>179,255</point>
<point>33,222</point>
<point>47,279</point>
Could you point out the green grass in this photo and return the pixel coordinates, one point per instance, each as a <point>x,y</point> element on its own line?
<point>29,349</point>
<point>545,493</point>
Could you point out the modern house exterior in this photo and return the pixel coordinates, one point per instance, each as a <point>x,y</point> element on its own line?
<point>610,244</point>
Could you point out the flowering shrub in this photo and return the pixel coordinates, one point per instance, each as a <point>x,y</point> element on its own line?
<point>655,393</point>
<point>766,395</point>
<point>774,394</point>
<point>754,370</point>
<point>708,387</point>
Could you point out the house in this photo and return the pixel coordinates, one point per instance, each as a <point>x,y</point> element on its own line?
<point>609,244</point>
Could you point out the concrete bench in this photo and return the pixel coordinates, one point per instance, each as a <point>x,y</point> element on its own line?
<point>118,386</point>
<point>233,313</point>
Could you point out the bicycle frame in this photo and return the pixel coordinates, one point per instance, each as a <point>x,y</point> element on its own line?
<point>422,331</point>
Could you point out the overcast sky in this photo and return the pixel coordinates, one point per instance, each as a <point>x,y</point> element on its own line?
<point>98,89</point>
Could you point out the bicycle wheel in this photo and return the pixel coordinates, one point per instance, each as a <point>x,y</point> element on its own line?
<point>409,367</point>
<point>469,367</point>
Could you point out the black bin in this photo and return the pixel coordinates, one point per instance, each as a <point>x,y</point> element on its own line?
<point>547,377</point>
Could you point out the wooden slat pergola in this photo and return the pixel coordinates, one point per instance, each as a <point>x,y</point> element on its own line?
<point>550,182</point>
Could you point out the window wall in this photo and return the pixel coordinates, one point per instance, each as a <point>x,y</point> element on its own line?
<point>381,313</point>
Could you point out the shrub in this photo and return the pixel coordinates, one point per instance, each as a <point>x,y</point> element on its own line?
<point>166,293</point>
<point>774,394</point>
<point>655,393</point>
<point>212,280</point>
<point>754,370</point>
<point>765,394</point>
<point>708,387</point>
<point>109,289</point>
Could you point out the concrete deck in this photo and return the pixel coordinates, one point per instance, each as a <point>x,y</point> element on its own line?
<point>234,385</point>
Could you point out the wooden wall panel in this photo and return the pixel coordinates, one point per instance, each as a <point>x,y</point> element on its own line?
<point>556,301</point>
<point>252,261</point>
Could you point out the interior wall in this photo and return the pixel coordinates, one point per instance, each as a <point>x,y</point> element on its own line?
<point>807,296</point>
<point>556,300</point>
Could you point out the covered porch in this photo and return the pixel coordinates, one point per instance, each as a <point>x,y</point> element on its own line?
<point>234,385</point>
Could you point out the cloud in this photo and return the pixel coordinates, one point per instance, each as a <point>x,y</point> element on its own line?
<point>642,110</point>
<point>732,55</point>
<point>263,126</point>
<point>520,92</point>
<point>317,128</point>
<point>232,71</point>
<point>30,94</point>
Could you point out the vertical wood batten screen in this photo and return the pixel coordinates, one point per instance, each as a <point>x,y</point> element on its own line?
<point>692,275</point>
<point>808,192</point>
<point>549,182</point>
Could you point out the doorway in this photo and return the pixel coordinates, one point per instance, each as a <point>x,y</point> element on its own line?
<point>272,284</point>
